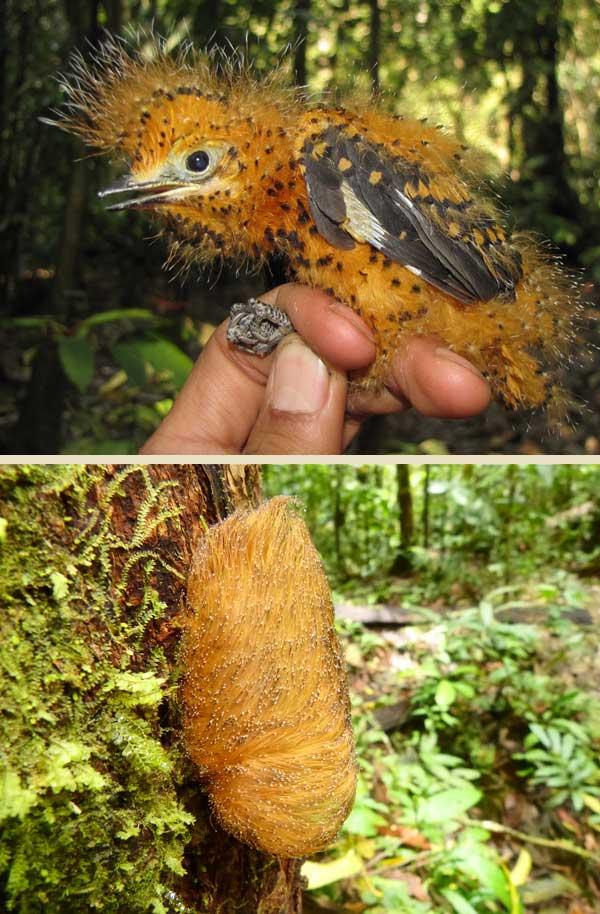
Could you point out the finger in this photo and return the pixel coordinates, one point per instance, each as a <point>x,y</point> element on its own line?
<point>365,403</point>
<point>433,379</point>
<point>331,329</point>
<point>438,382</point>
<point>219,403</point>
<point>303,410</point>
<point>352,427</point>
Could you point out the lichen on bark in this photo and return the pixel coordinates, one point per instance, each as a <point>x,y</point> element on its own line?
<point>89,807</point>
<point>100,808</point>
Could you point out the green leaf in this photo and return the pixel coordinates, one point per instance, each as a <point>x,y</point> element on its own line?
<point>445,694</point>
<point>114,315</point>
<point>591,802</point>
<point>15,800</point>
<point>364,821</point>
<point>491,876</point>
<point>130,358</point>
<point>77,359</point>
<point>60,586</point>
<point>448,804</point>
<point>161,354</point>
<point>459,902</point>
<point>546,889</point>
<point>32,323</point>
<point>320,874</point>
<point>137,688</point>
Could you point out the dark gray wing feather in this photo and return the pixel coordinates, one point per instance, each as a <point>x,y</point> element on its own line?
<point>403,229</point>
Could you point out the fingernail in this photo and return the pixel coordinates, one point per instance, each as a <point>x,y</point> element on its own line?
<point>450,356</point>
<point>299,381</point>
<point>348,315</point>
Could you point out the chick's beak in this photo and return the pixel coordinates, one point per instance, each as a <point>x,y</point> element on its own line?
<point>160,192</point>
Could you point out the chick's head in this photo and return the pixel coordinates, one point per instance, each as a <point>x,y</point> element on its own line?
<point>192,137</point>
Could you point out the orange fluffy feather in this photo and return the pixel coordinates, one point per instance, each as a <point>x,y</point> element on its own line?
<point>153,111</point>
<point>267,714</point>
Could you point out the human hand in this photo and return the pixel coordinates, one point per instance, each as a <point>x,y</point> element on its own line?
<point>295,400</point>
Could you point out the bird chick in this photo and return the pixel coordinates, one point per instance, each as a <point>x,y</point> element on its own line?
<point>383,212</point>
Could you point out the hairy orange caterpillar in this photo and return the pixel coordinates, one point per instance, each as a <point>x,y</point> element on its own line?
<point>383,212</point>
<point>266,702</point>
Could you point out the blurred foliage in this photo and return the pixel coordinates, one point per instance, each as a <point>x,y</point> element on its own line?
<point>448,819</point>
<point>519,79</point>
<point>475,527</point>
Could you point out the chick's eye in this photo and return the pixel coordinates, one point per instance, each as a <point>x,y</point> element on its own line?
<point>198,161</point>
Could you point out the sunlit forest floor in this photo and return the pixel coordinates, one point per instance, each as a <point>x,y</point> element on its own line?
<point>478,732</point>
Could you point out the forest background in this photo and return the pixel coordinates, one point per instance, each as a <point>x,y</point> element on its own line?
<point>98,339</point>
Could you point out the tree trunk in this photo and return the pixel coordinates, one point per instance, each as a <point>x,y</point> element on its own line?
<point>34,418</point>
<point>103,809</point>
<point>374,42</point>
<point>114,14</point>
<point>300,17</point>
<point>511,483</point>
<point>539,108</point>
<point>39,426</point>
<point>425,513</point>
<point>66,278</point>
<point>403,561</point>
<point>338,515</point>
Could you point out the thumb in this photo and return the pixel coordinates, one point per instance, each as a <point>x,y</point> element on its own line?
<point>304,405</point>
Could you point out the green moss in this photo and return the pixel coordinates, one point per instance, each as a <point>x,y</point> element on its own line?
<point>89,814</point>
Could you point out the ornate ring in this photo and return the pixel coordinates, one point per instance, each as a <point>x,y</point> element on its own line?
<point>257,327</point>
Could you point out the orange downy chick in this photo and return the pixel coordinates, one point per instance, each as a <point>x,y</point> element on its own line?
<point>381,211</point>
<point>267,713</point>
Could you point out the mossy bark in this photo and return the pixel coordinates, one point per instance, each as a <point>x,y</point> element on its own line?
<point>100,809</point>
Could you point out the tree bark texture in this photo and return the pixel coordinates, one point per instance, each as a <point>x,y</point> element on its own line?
<point>100,809</point>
